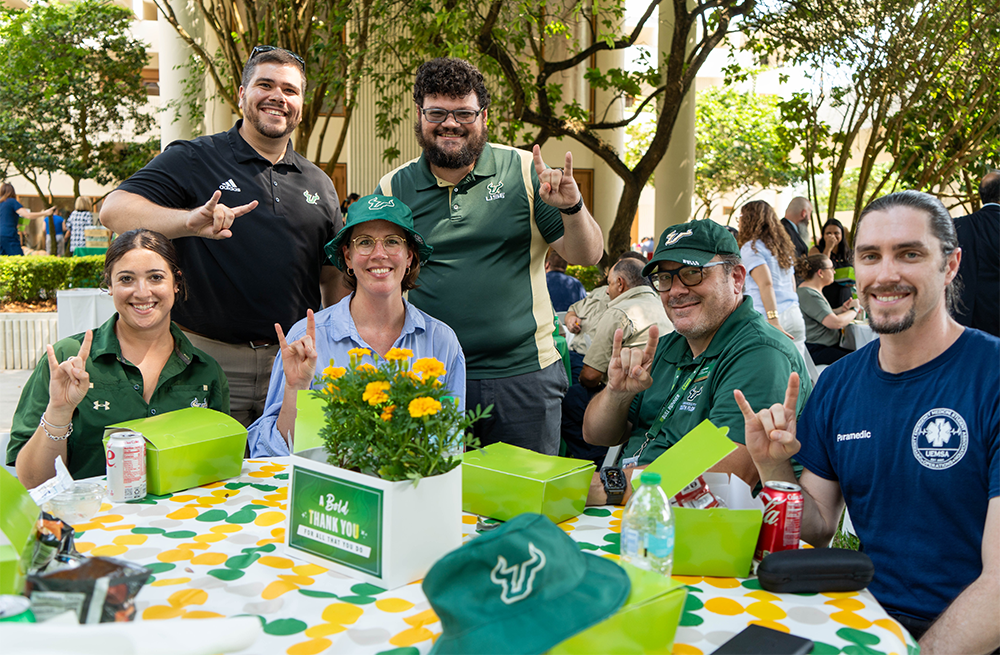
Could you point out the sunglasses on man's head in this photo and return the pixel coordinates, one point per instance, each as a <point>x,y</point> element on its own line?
<point>258,49</point>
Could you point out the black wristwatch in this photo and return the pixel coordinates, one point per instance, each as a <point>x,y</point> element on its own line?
<point>614,484</point>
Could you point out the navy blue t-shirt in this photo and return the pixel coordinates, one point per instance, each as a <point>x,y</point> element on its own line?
<point>916,457</point>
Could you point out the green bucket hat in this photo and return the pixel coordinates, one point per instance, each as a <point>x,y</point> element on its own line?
<point>377,208</point>
<point>522,588</point>
<point>694,243</point>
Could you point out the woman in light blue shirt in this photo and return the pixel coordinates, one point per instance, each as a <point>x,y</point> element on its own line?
<point>381,255</point>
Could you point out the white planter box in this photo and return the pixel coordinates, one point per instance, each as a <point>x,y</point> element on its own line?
<point>23,338</point>
<point>385,533</point>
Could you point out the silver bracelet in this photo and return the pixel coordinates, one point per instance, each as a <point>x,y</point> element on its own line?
<point>45,425</point>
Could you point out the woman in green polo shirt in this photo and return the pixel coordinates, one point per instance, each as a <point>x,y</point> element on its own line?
<point>137,364</point>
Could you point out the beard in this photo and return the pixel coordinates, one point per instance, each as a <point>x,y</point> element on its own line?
<point>270,131</point>
<point>465,156</point>
<point>880,325</point>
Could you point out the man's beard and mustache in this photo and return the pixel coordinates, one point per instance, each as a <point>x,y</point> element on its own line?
<point>466,156</point>
<point>271,131</point>
<point>881,325</point>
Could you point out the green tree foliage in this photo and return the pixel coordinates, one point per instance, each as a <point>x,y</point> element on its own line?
<point>742,147</point>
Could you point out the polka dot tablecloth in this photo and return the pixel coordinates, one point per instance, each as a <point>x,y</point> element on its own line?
<point>216,551</point>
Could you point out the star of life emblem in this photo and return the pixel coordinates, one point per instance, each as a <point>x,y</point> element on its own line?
<point>940,439</point>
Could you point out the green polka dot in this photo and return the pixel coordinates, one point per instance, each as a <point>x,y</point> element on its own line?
<point>317,594</point>
<point>226,574</point>
<point>752,583</point>
<point>819,648</point>
<point>585,546</point>
<point>161,567</point>
<point>365,589</point>
<point>148,530</point>
<point>280,476</point>
<point>613,538</point>
<point>284,627</point>
<point>856,649</point>
<point>596,511</point>
<point>241,561</point>
<point>236,485</point>
<point>611,548</point>
<point>857,636</point>
<point>693,604</point>
<point>694,589</point>
<point>358,600</point>
<point>912,650</point>
<point>180,534</point>
<point>212,516</point>
<point>264,487</point>
<point>409,650</point>
<point>266,548</point>
<point>142,501</point>
<point>689,620</point>
<point>155,497</point>
<point>243,516</point>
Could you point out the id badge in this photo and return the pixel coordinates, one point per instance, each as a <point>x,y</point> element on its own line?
<point>630,461</point>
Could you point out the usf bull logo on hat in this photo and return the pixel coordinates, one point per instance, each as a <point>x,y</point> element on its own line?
<point>522,588</point>
<point>694,243</point>
<point>378,208</point>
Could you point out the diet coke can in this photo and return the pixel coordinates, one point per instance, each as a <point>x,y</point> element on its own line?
<point>126,458</point>
<point>782,518</point>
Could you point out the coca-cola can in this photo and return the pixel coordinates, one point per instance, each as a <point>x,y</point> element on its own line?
<point>126,460</point>
<point>782,518</point>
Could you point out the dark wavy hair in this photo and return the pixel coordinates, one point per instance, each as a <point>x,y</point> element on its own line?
<point>759,221</point>
<point>276,56</point>
<point>843,251</point>
<point>147,240</point>
<point>455,78</point>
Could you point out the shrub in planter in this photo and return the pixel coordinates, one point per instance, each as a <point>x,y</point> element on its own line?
<point>28,279</point>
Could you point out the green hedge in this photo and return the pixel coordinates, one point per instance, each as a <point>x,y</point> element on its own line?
<point>27,279</point>
<point>588,275</point>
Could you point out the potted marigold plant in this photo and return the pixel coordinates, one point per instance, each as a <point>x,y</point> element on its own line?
<point>382,499</point>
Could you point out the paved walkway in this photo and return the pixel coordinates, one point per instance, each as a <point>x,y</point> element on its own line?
<point>11,383</point>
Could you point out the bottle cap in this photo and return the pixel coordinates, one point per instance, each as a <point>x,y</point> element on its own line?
<point>649,477</point>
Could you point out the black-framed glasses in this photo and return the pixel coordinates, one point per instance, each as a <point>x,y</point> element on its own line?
<point>690,276</point>
<point>463,116</point>
<point>392,244</point>
<point>258,49</point>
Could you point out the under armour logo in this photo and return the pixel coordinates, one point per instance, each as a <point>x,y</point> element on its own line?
<point>517,580</point>
<point>229,185</point>
<point>106,405</point>
<point>674,237</point>
<point>311,198</point>
<point>375,204</point>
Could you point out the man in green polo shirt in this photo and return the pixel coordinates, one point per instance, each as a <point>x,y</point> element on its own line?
<point>656,395</point>
<point>491,213</point>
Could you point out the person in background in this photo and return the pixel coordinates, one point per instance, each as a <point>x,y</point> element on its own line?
<point>11,211</point>
<point>78,221</point>
<point>834,245</point>
<point>823,323</point>
<point>768,256</point>
<point>979,237</point>
<point>58,221</point>
<point>797,214</point>
<point>348,201</point>
<point>138,364</point>
<point>564,289</point>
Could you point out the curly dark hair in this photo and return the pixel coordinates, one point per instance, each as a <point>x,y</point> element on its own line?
<point>455,78</point>
<point>842,252</point>
<point>808,266</point>
<point>759,221</point>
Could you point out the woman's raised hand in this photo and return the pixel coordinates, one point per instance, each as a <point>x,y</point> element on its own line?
<point>68,381</point>
<point>299,357</point>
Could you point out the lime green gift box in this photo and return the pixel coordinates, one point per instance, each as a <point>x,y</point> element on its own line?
<point>713,542</point>
<point>18,515</point>
<point>502,481</point>
<point>188,448</point>
<point>646,623</point>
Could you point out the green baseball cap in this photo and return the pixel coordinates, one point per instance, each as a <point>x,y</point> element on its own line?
<point>694,243</point>
<point>377,208</point>
<point>521,588</point>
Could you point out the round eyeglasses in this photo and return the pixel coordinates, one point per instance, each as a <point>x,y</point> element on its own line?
<point>690,276</point>
<point>392,244</point>
<point>464,116</point>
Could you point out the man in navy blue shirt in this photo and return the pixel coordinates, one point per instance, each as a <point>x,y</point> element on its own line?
<point>564,290</point>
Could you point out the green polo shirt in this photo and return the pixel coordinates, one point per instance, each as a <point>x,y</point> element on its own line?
<point>190,378</point>
<point>486,279</point>
<point>746,353</point>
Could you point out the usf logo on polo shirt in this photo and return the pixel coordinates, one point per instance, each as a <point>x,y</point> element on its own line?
<point>493,190</point>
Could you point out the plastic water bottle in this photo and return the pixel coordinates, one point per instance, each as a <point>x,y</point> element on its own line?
<point>648,528</point>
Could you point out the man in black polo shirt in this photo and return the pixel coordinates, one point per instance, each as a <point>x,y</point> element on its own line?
<point>263,214</point>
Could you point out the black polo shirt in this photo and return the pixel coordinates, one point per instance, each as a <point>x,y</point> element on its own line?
<point>268,271</point>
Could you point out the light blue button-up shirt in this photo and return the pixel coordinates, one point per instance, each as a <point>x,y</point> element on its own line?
<point>336,334</point>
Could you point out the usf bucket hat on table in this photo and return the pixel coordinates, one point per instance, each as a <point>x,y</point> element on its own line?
<point>694,243</point>
<point>522,588</point>
<point>377,208</point>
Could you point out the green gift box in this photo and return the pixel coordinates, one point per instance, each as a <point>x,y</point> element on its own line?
<point>713,542</point>
<point>188,448</point>
<point>646,623</point>
<point>502,481</point>
<point>18,516</point>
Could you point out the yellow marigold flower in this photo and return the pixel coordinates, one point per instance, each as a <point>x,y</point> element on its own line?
<point>423,406</point>
<point>332,389</point>
<point>334,372</point>
<point>387,413</point>
<point>395,354</point>
<point>428,367</point>
<point>359,352</point>
<point>375,393</point>
<point>367,368</point>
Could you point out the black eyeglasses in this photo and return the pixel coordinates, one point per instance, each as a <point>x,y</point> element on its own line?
<point>690,276</point>
<point>464,116</point>
<point>258,49</point>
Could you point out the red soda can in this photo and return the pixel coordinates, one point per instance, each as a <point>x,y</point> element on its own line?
<point>126,460</point>
<point>782,518</point>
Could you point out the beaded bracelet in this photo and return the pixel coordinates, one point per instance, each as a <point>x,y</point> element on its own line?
<point>45,425</point>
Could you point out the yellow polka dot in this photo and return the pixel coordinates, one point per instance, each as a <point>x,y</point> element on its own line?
<point>214,485</point>
<point>225,493</point>
<point>202,614</point>
<point>572,519</point>
<point>310,647</point>
<point>722,583</point>
<point>393,605</point>
<point>210,559</point>
<point>276,468</point>
<point>84,546</point>
<point>129,539</point>
<point>684,649</point>
<point>426,617</point>
<point>343,613</point>
<point>892,627</point>
<point>469,519</point>
<point>760,594</point>
<point>724,606</point>
<point>210,500</point>
<point>174,555</point>
<point>186,597</point>
<point>184,498</point>
<point>771,624</point>
<point>567,528</point>
<point>297,579</point>
<point>618,513</point>
<point>276,562</point>
<point>195,545</point>
<point>118,527</point>
<point>277,588</point>
<point>259,474</point>
<point>766,611</point>
<point>107,518</point>
<point>105,507</point>
<point>169,583</point>
<point>278,533</point>
<point>162,612</point>
<point>410,637</point>
<point>264,542</point>
<point>267,503</point>
<point>611,556</point>
<point>269,518</point>
<point>208,538</point>
<point>308,569</point>
<point>840,594</point>
<point>109,551</point>
<point>687,579</point>
<point>851,620</point>
<point>846,604</point>
<point>184,513</point>
<point>280,496</point>
<point>228,527</point>
<point>93,525</point>
<point>324,630</point>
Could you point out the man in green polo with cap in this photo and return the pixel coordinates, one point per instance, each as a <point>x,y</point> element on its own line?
<point>656,395</point>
